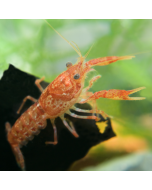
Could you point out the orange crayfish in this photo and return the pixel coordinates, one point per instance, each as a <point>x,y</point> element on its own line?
<point>58,98</point>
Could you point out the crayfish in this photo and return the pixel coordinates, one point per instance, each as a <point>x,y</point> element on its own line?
<point>59,97</point>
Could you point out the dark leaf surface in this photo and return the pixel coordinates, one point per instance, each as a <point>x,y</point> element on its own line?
<point>14,86</point>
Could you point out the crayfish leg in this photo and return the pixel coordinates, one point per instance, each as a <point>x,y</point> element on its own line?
<point>71,129</point>
<point>16,149</point>
<point>55,134</point>
<point>8,127</point>
<point>37,82</point>
<point>91,83</point>
<point>24,100</point>
<point>95,111</point>
<point>83,117</point>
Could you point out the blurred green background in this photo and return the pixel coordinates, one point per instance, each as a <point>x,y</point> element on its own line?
<point>32,46</point>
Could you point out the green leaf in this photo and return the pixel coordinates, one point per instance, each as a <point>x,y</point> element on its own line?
<point>134,162</point>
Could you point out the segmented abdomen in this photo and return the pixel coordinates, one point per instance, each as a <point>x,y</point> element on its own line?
<point>28,124</point>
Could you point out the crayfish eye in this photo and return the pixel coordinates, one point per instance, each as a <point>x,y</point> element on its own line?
<point>68,64</point>
<point>76,76</point>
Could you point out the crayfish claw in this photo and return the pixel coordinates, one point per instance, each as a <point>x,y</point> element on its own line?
<point>136,98</point>
<point>133,91</point>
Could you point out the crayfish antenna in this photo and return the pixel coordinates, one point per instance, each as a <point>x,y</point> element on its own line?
<point>77,50</point>
<point>88,52</point>
<point>81,58</point>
